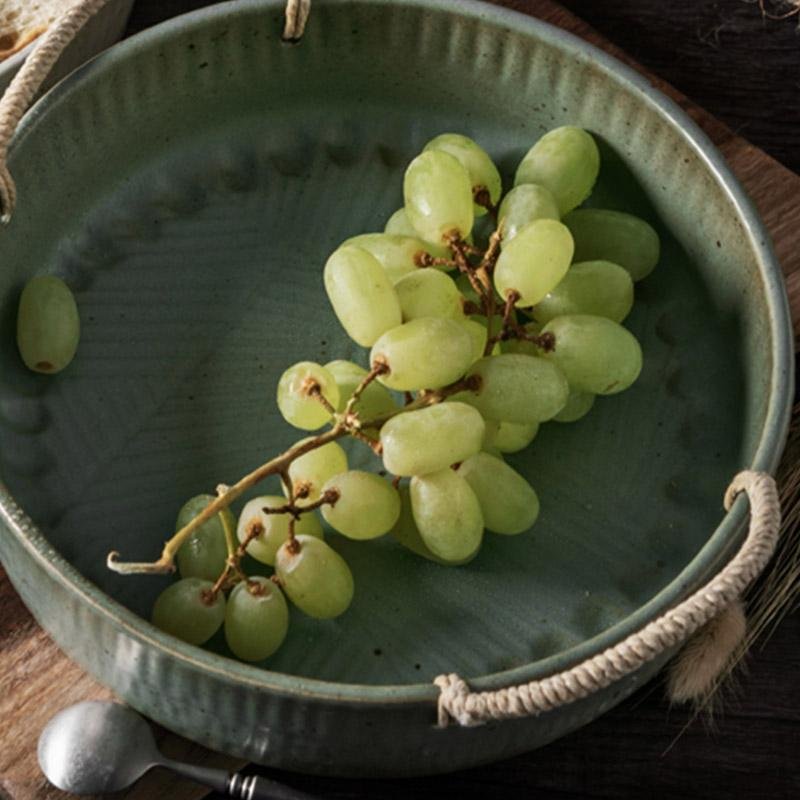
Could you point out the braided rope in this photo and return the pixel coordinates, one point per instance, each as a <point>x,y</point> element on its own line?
<point>37,66</point>
<point>457,702</point>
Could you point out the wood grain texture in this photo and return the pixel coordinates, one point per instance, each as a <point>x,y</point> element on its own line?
<point>753,751</point>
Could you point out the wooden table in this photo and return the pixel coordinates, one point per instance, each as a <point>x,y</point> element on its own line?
<point>642,747</point>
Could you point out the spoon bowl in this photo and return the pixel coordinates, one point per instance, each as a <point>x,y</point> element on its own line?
<point>95,747</point>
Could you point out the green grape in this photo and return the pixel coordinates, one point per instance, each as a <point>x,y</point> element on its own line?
<point>204,553</point>
<point>579,404</point>
<point>475,160</point>
<point>276,527</point>
<point>407,534</point>
<point>565,161</point>
<point>438,196</point>
<point>48,325</point>
<point>429,439</point>
<point>185,610</point>
<point>478,335</point>
<point>400,224</point>
<point>511,437</point>
<point>256,619</point>
<point>396,254</point>
<point>361,293</point>
<point>534,261</point>
<point>368,505</point>
<point>596,354</point>
<point>614,236</point>
<point>375,400</point>
<point>518,388</point>
<point>297,405</point>
<point>447,514</point>
<point>426,353</point>
<point>599,288</point>
<point>429,293</point>
<point>508,502</point>
<point>525,204</point>
<point>310,471</point>
<point>316,578</point>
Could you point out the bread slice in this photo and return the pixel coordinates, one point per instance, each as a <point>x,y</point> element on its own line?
<point>21,21</point>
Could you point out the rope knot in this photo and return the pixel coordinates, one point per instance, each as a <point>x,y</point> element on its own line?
<point>452,702</point>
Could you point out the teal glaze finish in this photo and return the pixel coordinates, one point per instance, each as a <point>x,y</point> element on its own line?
<point>189,185</point>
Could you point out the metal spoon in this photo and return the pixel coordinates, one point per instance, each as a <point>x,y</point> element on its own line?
<point>96,747</point>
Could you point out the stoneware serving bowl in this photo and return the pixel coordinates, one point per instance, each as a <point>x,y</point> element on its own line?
<point>189,184</point>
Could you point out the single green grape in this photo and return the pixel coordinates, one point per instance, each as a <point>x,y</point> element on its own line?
<point>534,261</point>
<point>48,325</point>
<point>315,578</point>
<point>438,196</point>
<point>596,355</point>
<point>204,553</point>
<point>400,225</point>
<point>525,204</point>
<point>508,502</point>
<point>276,527</point>
<point>426,353</point>
<point>447,514</point>
<point>361,293</point>
<point>395,253</point>
<point>368,505</point>
<point>475,160</point>
<point>511,437</point>
<point>309,472</point>
<point>614,236</point>
<point>429,439</point>
<point>186,610</point>
<point>599,288</point>
<point>578,405</point>
<point>517,388</point>
<point>295,400</point>
<point>566,161</point>
<point>256,619</point>
<point>405,532</point>
<point>375,400</point>
<point>429,293</point>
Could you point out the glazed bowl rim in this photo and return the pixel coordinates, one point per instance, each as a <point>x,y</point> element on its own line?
<point>766,458</point>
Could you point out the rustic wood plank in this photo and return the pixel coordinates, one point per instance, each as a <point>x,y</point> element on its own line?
<point>36,679</point>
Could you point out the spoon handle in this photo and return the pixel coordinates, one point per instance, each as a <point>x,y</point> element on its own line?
<point>233,784</point>
<point>254,787</point>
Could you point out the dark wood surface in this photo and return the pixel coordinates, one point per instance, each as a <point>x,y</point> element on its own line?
<point>746,71</point>
<point>744,68</point>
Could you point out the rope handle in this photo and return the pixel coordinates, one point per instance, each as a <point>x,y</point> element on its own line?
<point>457,703</point>
<point>37,66</point>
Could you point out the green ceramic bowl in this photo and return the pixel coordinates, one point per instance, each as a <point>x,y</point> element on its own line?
<point>189,185</point>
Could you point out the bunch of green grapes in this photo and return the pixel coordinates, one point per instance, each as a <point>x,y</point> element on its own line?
<point>471,349</point>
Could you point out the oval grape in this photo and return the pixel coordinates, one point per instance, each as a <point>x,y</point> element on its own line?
<point>48,324</point>
<point>534,261</point>
<point>426,353</point>
<point>597,355</point>
<point>256,619</point>
<point>309,472</point>
<point>186,610</point>
<point>204,553</point>
<point>361,293</point>
<point>429,439</point>
<point>447,514</point>
<point>508,502</point>
<point>295,395</point>
<point>566,161</point>
<point>525,204</point>
<point>368,505</point>
<point>315,578</point>
<point>438,196</point>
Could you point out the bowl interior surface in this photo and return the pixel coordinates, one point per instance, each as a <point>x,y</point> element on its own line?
<point>189,187</point>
